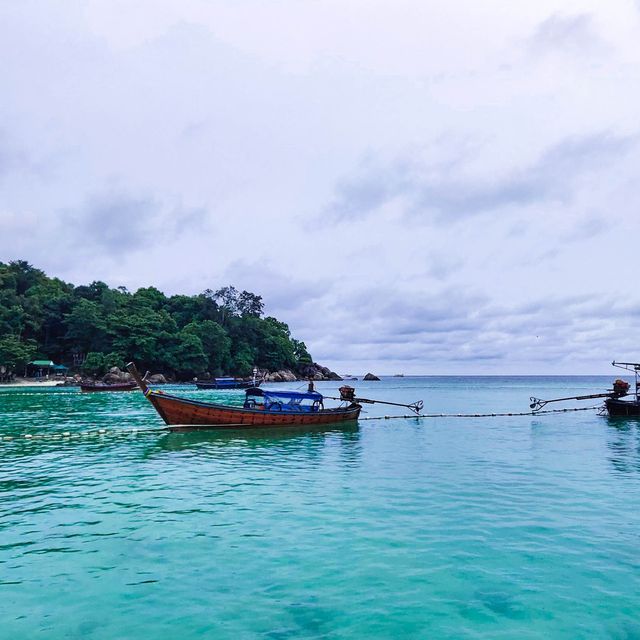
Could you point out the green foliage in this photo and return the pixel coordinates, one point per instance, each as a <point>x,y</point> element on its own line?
<point>216,343</point>
<point>188,356</point>
<point>233,303</point>
<point>114,359</point>
<point>221,331</point>
<point>94,364</point>
<point>243,358</point>
<point>15,353</point>
<point>301,354</point>
<point>275,346</point>
<point>86,326</point>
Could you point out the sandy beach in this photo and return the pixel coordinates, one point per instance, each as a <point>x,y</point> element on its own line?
<point>26,382</point>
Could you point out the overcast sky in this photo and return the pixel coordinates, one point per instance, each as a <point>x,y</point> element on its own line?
<point>417,186</point>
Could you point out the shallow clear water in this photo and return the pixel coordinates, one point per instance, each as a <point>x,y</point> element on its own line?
<point>518,527</point>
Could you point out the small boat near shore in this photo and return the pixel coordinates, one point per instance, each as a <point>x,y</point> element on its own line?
<point>227,383</point>
<point>102,386</point>
<point>230,382</point>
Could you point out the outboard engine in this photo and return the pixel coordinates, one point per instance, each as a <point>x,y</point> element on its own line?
<point>347,393</point>
<point>620,387</point>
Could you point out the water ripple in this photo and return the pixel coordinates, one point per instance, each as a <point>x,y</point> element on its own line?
<point>513,528</point>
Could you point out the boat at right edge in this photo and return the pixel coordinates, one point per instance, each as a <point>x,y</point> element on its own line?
<point>616,407</point>
<point>620,401</point>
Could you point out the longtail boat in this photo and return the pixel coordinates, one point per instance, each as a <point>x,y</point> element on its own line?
<point>260,409</point>
<point>102,386</point>
<point>614,404</point>
<point>625,408</point>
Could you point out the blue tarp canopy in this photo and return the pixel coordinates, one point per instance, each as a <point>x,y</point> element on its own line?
<point>285,395</point>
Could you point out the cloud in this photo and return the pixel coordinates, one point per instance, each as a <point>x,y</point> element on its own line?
<point>575,34</point>
<point>107,227</point>
<point>447,192</point>
<point>12,157</point>
<point>465,183</point>
<point>284,295</point>
<point>436,330</point>
<point>118,223</point>
<point>441,266</point>
<point>590,226</point>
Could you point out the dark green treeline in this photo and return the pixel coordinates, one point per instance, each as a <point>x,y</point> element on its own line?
<point>92,328</point>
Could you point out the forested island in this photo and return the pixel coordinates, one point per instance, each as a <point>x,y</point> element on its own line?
<point>92,328</point>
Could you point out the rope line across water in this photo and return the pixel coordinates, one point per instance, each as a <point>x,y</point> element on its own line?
<point>480,415</point>
<point>67,435</point>
<point>130,432</point>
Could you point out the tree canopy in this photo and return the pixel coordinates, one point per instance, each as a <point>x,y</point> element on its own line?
<point>93,327</point>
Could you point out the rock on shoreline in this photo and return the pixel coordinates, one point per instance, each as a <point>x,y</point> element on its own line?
<point>318,372</point>
<point>116,376</point>
<point>313,371</point>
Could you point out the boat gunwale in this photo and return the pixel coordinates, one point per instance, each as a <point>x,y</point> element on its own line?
<point>618,408</point>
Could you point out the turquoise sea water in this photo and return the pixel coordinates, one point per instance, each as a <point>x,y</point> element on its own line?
<point>517,527</point>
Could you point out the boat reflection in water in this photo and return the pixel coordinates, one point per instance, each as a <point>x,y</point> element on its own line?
<point>344,437</point>
<point>623,441</point>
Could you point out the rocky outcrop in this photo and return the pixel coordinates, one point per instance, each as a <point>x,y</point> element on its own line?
<point>370,377</point>
<point>317,372</point>
<point>116,376</point>
<point>312,371</point>
<point>284,375</point>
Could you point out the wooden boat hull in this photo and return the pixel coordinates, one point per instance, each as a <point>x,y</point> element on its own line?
<point>186,414</point>
<point>624,408</point>
<point>92,388</point>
